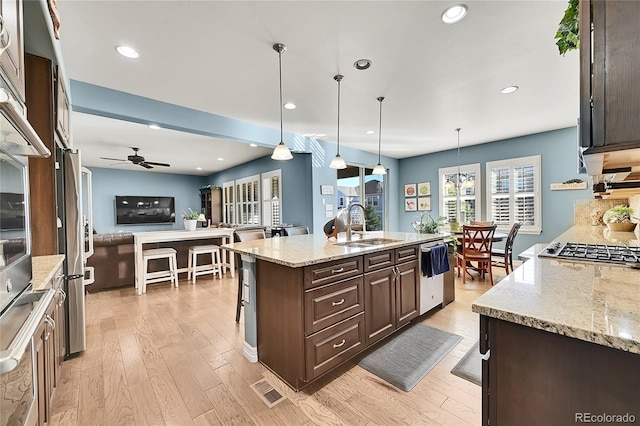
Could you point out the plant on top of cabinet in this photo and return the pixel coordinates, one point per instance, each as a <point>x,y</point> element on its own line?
<point>568,27</point>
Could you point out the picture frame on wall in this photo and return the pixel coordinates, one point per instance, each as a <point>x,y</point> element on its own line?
<point>410,190</point>
<point>410,204</point>
<point>424,203</point>
<point>424,189</point>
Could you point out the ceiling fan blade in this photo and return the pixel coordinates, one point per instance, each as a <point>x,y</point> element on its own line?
<point>158,164</point>
<point>113,159</point>
<point>145,165</point>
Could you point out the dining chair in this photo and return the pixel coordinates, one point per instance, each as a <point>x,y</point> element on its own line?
<point>477,242</point>
<point>504,257</point>
<point>295,230</point>
<point>480,223</point>
<point>240,236</point>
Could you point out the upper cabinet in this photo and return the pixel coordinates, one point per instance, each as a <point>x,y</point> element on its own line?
<point>609,64</point>
<point>11,40</point>
<point>62,110</point>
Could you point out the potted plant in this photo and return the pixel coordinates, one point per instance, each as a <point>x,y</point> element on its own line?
<point>190,219</point>
<point>427,225</point>
<point>618,218</point>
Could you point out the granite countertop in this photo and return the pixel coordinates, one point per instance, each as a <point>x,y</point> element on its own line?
<point>302,250</point>
<point>43,269</point>
<point>589,301</point>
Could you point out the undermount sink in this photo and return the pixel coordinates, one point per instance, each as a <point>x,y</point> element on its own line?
<point>367,242</point>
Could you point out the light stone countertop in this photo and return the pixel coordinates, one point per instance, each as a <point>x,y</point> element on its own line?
<point>43,269</point>
<point>303,250</point>
<point>589,301</point>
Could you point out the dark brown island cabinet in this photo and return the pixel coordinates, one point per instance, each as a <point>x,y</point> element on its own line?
<point>536,377</point>
<point>313,318</point>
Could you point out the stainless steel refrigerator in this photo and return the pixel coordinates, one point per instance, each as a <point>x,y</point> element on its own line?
<point>71,241</point>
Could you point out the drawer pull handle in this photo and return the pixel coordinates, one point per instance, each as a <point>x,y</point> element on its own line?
<point>337,303</point>
<point>337,345</point>
<point>337,271</point>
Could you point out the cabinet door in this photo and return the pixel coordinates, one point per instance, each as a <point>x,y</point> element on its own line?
<point>12,59</point>
<point>62,110</point>
<point>40,367</point>
<point>380,306</point>
<point>407,292</point>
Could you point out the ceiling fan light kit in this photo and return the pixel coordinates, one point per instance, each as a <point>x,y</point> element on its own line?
<point>281,152</point>
<point>379,168</point>
<point>338,162</point>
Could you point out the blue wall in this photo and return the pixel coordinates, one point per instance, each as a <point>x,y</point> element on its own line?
<point>558,151</point>
<point>296,184</point>
<point>107,183</point>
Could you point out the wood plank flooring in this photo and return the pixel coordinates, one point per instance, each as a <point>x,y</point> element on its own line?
<point>174,357</point>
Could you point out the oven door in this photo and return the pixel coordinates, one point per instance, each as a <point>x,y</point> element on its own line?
<point>17,392</point>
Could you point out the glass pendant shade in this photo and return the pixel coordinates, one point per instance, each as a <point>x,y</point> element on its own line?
<point>338,163</point>
<point>448,184</point>
<point>280,152</point>
<point>379,170</point>
<point>468,183</point>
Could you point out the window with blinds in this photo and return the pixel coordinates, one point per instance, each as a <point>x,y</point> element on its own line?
<point>271,198</point>
<point>248,200</point>
<point>513,193</point>
<point>228,202</point>
<point>467,205</point>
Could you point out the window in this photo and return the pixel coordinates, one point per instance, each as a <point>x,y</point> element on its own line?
<point>229,202</point>
<point>468,202</point>
<point>271,198</point>
<point>513,193</point>
<point>357,183</point>
<point>248,201</point>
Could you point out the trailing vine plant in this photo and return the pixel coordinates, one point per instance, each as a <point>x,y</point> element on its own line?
<point>567,34</point>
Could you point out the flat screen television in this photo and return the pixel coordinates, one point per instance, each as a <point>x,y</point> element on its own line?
<point>142,210</point>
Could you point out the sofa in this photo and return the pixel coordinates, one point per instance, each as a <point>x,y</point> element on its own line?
<point>113,259</point>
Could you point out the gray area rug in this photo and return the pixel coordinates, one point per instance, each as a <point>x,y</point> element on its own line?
<point>406,358</point>
<point>470,366</point>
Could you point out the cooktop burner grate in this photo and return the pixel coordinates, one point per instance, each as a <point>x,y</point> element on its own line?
<point>594,252</point>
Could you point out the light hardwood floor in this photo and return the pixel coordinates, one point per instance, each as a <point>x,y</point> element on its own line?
<point>174,357</point>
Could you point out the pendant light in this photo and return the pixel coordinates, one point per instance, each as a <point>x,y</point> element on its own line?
<point>379,168</point>
<point>338,162</point>
<point>462,181</point>
<point>281,152</point>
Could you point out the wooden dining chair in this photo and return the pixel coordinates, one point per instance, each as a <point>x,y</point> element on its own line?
<point>480,223</point>
<point>504,257</point>
<point>240,236</point>
<point>477,243</point>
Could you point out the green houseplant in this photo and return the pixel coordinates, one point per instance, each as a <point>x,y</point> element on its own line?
<point>190,220</point>
<point>568,29</point>
<point>427,225</point>
<point>618,218</point>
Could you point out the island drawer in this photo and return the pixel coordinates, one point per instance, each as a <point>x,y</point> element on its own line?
<point>328,304</point>
<point>331,272</point>
<point>379,260</point>
<point>407,254</point>
<point>334,345</point>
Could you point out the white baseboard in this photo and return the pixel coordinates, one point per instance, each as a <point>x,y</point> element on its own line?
<point>250,352</point>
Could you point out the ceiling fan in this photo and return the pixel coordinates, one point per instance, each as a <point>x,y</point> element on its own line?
<point>138,160</point>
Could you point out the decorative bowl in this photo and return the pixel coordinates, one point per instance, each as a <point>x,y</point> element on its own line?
<point>621,227</point>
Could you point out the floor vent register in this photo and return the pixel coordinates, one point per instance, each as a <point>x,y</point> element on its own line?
<point>267,393</point>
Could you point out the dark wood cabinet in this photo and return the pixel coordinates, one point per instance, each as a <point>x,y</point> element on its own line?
<point>312,319</point>
<point>609,64</point>
<point>211,203</point>
<point>44,344</point>
<point>535,377</point>
<point>12,59</point>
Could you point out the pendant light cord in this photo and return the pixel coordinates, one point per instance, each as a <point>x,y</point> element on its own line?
<point>459,175</point>
<point>380,99</point>
<point>338,78</point>
<point>280,72</point>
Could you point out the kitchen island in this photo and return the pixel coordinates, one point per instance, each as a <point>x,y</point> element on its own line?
<point>563,339</point>
<point>311,303</point>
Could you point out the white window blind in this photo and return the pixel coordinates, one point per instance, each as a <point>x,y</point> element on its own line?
<point>229,202</point>
<point>248,200</point>
<point>271,198</point>
<point>513,193</point>
<point>469,202</point>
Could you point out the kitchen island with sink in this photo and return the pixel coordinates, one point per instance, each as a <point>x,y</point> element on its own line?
<point>562,338</point>
<point>311,303</point>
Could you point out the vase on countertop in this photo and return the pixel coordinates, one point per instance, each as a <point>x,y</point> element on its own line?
<point>190,224</point>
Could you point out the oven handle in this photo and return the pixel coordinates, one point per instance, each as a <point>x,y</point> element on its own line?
<point>22,340</point>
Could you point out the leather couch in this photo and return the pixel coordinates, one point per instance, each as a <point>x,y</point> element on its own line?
<point>113,259</point>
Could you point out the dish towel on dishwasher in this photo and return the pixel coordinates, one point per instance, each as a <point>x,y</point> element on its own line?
<point>435,261</point>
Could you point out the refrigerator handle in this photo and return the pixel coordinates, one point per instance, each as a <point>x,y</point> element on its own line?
<point>89,252</point>
<point>91,278</point>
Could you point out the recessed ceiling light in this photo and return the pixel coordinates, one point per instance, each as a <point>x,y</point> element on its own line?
<point>289,105</point>
<point>370,132</point>
<point>154,126</point>
<point>454,14</point>
<point>362,64</point>
<point>198,168</point>
<point>509,89</point>
<point>253,145</point>
<point>127,51</point>
<point>220,159</point>
<point>321,135</point>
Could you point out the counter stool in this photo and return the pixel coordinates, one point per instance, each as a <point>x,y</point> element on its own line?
<point>170,274</point>
<point>214,267</point>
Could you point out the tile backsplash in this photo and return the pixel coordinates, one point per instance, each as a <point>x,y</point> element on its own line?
<point>585,212</point>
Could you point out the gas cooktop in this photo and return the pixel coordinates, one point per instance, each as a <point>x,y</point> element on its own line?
<point>619,255</point>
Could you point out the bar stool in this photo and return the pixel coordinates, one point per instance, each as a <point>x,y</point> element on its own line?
<point>170,274</point>
<point>194,270</point>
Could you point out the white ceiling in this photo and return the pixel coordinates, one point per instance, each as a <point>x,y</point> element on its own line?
<point>217,56</point>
